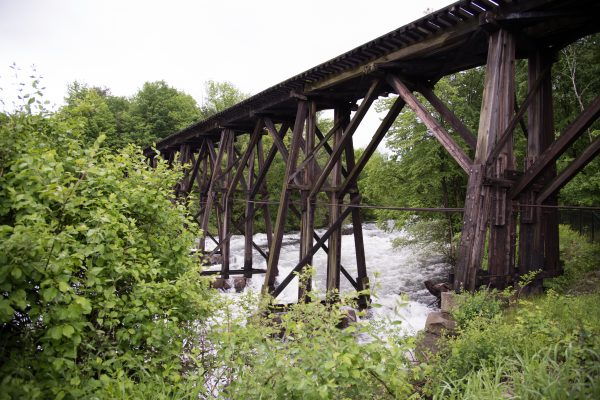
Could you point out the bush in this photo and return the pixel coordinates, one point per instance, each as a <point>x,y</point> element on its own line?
<point>547,347</point>
<point>482,304</point>
<point>96,279</point>
<point>303,354</point>
<point>580,258</point>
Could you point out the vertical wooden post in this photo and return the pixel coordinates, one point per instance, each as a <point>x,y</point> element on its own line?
<point>538,233</point>
<point>213,187</point>
<point>226,225</point>
<point>184,158</point>
<point>275,249</point>
<point>264,193</point>
<point>307,209</point>
<point>361,264</point>
<point>335,240</point>
<point>499,84</point>
<point>502,227</point>
<point>249,224</point>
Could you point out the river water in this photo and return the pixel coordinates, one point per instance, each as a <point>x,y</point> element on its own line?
<point>396,274</point>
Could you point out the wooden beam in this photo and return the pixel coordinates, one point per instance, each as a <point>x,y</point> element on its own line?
<point>226,222</point>
<point>429,45</point>
<point>244,159</point>
<point>570,171</point>
<point>496,111</point>
<point>449,116</point>
<point>314,249</point>
<point>558,147</point>
<point>359,246</point>
<point>507,134</point>
<point>212,187</point>
<point>434,126</point>
<point>311,155</point>
<point>249,222</point>
<point>369,98</point>
<point>380,133</point>
<point>307,227</point>
<point>269,160</point>
<point>274,251</point>
<point>340,118</point>
<point>276,138</point>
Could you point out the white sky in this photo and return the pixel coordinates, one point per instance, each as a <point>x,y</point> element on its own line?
<point>121,44</point>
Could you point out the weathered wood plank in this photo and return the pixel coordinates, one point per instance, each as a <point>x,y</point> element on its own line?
<point>340,118</point>
<point>378,136</point>
<point>570,171</point>
<point>434,126</point>
<point>558,147</point>
<point>369,98</point>
<point>275,248</point>
<point>449,116</point>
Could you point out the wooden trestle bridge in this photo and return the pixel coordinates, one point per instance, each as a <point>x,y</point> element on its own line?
<point>501,197</point>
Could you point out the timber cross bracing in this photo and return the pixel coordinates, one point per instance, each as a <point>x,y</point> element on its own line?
<point>411,59</point>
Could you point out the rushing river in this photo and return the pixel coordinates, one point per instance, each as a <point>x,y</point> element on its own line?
<point>397,274</point>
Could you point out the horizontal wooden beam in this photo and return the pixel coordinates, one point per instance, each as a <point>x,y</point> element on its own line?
<point>558,147</point>
<point>434,126</point>
<point>235,272</point>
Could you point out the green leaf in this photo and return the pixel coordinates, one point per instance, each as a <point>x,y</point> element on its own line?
<point>49,294</point>
<point>84,303</point>
<point>55,332</point>
<point>63,286</point>
<point>16,273</point>
<point>68,331</point>
<point>6,311</point>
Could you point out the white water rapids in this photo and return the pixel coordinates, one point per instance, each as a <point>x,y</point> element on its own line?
<point>396,274</point>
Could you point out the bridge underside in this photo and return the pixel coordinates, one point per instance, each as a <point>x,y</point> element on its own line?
<point>229,155</point>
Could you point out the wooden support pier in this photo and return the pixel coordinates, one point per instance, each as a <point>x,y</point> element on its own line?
<point>229,156</point>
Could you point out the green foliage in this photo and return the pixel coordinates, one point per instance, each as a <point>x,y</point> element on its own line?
<point>154,112</point>
<point>576,82</point>
<point>303,354</point>
<point>96,280</point>
<point>580,262</point>
<point>220,96</point>
<point>548,347</point>
<point>544,347</point>
<point>481,305</point>
<point>159,110</point>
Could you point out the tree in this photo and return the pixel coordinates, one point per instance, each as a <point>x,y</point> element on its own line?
<point>87,111</point>
<point>219,96</point>
<point>98,288</point>
<point>159,110</point>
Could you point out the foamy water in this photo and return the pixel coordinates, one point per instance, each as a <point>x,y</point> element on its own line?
<point>397,274</point>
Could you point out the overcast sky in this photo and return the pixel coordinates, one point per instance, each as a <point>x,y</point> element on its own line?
<point>121,44</point>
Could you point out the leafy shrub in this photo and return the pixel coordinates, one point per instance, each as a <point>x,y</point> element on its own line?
<point>470,307</point>
<point>96,280</point>
<point>303,354</point>
<point>548,347</point>
<point>579,257</point>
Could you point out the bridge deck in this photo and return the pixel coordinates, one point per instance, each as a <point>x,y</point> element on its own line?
<point>449,40</point>
<point>500,194</point>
